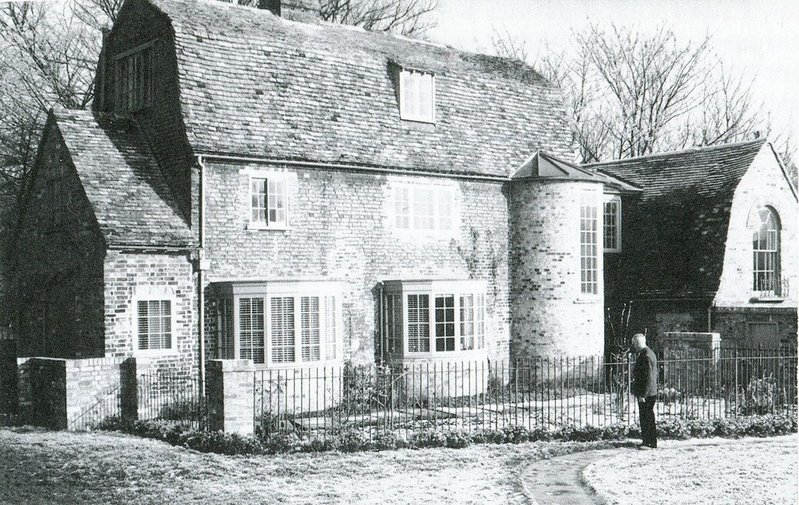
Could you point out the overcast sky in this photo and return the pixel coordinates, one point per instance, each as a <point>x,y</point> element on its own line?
<point>760,38</point>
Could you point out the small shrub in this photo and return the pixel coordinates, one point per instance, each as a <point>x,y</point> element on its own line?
<point>458,440</point>
<point>516,434</point>
<point>759,396</point>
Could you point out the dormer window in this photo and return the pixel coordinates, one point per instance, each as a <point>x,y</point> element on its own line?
<point>417,96</point>
<point>134,79</point>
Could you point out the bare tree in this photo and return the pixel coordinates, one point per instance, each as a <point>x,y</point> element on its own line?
<point>628,94</point>
<point>47,57</point>
<point>408,17</point>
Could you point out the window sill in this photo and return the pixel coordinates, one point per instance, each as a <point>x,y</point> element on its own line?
<point>258,227</point>
<point>584,301</point>
<point>154,353</point>
<point>440,356</point>
<point>612,251</point>
<point>303,365</point>
<point>766,299</point>
<point>411,119</point>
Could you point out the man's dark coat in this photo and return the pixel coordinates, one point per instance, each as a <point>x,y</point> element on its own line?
<point>645,374</point>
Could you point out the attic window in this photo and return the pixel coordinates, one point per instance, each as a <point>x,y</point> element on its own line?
<point>417,96</point>
<point>134,79</point>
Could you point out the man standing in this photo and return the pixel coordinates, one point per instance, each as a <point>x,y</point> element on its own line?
<point>645,389</point>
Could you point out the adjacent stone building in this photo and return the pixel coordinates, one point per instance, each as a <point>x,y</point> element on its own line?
<point>709,245</point>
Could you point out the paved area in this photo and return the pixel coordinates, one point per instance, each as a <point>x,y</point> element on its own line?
<point>558,481</point>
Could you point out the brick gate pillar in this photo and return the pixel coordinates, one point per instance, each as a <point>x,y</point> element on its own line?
<point>230,387</point>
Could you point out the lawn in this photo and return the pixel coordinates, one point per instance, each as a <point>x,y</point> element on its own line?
<point>750,471</point>
<point>39,467</point>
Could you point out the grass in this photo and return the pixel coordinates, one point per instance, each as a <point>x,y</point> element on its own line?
<point>751,471</point>
<point>38,467</point>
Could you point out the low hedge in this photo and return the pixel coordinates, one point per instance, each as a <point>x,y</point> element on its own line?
<point>351,440</point>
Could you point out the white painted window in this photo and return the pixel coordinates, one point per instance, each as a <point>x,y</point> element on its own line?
<point>417,96</point>
<point>154,325</point>
<point>224,328</point>
<point>766,254</point>
<point>423,208</point>
<point>268,201</point>
<point>589,265</point>
<point>612,223</point>
<point>292,323</point>
<point>441,317</point>
<point>251,329</point>
<point>134,80</point>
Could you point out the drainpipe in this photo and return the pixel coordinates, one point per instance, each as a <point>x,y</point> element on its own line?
<point>202,266</point>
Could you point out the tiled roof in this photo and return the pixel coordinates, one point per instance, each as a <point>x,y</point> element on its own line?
<point>254,84</point>
<point>674,237</point>
<point>545,166</point>
<point>121,179</point>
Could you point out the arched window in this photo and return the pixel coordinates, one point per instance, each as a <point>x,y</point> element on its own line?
<point>766,254</point>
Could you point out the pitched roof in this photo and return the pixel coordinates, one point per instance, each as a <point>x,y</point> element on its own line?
<point>675,236</point>
<point>131,201</point>
<point>545,166</point>
<point>255,84</point>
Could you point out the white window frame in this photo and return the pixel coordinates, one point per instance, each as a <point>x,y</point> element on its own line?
<point>439,200</point>
<point>172,319</point>
<point>589,277</point>
<point>143,97</point>
<point>297,290</point>
<point>770,256</point>
<point>612,200</point>
<point>266,177</point>
<point>410,78</point>
<point>457,289</point>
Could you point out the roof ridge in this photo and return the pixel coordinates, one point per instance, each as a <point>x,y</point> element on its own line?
<point>697,149</point>
<point>216,4</point>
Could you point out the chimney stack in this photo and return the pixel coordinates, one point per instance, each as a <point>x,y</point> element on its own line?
<point>306,11</point>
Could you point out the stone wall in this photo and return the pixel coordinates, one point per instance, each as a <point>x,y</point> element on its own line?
<point>769,327</point>
<point>762,185</point>
<point>550,315</point>
<point>130,277</point>
<point>340,228</point>
<point>75,394</point>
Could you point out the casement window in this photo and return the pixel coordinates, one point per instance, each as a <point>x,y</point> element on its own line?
<point>268,201</point>
<point>589,264</point>
<point>612,223</point>
<point>224,329</point>
<point>286,323</point>
<point>766,254</point>
<point>423,208</point>
<point>134,80</point>
<point>417,96</point>
<point>154,325</point>
<point>431,318</point>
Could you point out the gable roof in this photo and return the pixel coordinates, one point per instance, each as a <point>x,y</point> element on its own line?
<point>545,166</point>
<point>675,234</point>
<point>322,92</point>
<point>121,179</point>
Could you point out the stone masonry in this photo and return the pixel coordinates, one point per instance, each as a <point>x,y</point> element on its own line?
<point>550,315</point>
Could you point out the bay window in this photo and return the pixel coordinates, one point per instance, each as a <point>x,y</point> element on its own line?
<point>433,318</point>
<point>282,323</point>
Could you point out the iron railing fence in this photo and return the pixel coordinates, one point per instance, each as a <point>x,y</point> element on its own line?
<point>157,394</point>
<point>542,393</point>
<point>171,395</point>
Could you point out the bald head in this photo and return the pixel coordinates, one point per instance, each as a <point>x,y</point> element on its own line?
<point>638,342</point>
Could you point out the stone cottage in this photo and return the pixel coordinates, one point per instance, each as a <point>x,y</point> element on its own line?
<point>709,245</point>
<point>264,186</point>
